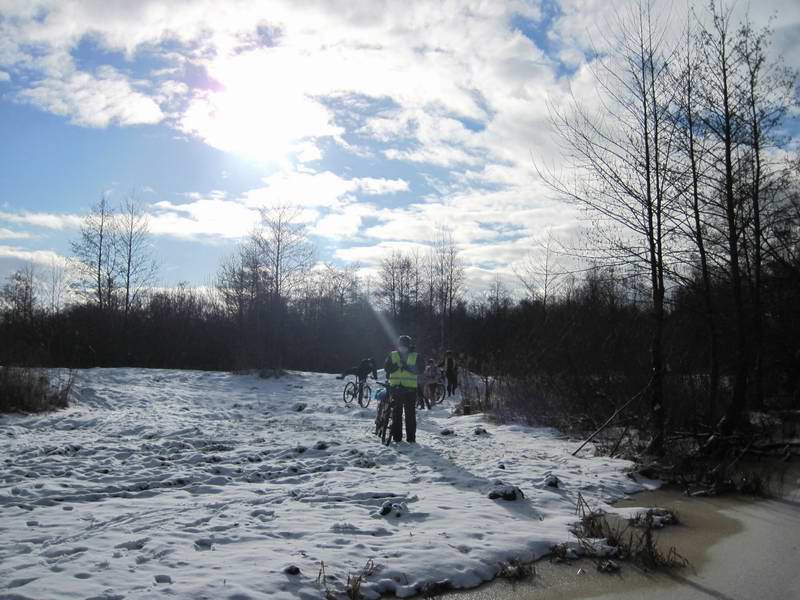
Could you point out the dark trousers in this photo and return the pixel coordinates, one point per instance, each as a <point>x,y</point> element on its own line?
<point>452,382</point>
<point>405,402</point>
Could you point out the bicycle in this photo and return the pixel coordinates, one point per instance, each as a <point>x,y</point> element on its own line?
<point>384,417</point>
<point>440,387</point>
<point>357,389</point>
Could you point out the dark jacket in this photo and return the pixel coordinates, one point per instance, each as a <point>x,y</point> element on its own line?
<point>366,367</point>
<point>449,365</point>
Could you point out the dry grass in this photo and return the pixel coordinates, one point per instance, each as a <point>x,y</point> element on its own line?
<point>32,390</point>
<point>634,540</point>
<point>352,589</point>
<point>354,581</point>
<point>517,570</point>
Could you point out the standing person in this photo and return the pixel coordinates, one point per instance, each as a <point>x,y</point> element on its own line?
<point>402,370</point>
<point>451,372</point>
<point>431,379</point>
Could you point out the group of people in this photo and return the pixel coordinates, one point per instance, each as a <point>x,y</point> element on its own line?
<point>408,382</point>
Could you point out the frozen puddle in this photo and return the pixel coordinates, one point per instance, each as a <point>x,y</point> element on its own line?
<point>211,485</point>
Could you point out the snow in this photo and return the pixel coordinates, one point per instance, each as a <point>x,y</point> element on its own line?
<point>214,485</point>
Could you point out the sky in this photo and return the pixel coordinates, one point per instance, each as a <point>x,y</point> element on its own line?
<point>381,120</point>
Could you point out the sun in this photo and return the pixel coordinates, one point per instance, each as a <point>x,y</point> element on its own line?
<point>262,112</point>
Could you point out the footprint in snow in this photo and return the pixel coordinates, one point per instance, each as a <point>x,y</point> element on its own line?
<point>15,583</point>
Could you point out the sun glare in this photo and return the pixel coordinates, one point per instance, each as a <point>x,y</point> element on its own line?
<point>262,113</point>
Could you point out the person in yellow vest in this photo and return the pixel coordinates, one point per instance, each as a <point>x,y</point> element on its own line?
<point>402,370</point>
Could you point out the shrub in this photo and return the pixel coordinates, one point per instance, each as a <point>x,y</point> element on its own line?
<point>31,390</point>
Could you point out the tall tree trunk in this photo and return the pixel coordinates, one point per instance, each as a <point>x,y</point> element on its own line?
<point>713,387</point>
<point>756,200</point>
<point>654,241</point>
<point>736,408</point>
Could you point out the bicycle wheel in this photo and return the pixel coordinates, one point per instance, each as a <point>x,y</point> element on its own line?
<point>386,433</point>
<point>350,392</point>
<point>366,396</point>
<point>438,397</point>
<point>382,419</point>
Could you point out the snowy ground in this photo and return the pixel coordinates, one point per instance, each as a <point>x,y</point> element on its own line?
<point>209,485</point>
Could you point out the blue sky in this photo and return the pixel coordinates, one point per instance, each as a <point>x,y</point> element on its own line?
<point>382,121</point>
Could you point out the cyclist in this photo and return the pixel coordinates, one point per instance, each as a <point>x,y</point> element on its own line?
<point>365,368</point>
<point>401,368</point>
<point>451,371</point>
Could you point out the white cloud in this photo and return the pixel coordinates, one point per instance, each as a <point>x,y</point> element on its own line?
<point>373,254</point>
<point>451,87</point>
<point>41,257</point>
<point>39,219</point>
<point>327,203</point>
<point>212,217</point>
<point>323,189</point>
<point>93,101</point>
<point>306,152</point>
<point>4,76</point>
<point>337,226</point>
<point>373,186</point>
<point>8,234</point>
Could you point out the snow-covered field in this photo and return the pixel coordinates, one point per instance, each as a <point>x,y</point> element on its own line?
<point>209,485</point>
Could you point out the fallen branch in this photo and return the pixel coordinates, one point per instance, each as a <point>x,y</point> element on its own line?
<point>619,441</point>
<point>612,417</point>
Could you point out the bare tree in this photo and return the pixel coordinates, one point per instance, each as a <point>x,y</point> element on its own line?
<point>692,140</point>
<point>19,294</point>
<point>540,272</point>
<point>388,277</point>
<point>96,255</point>
<point>769,93</point>
<point>235,284</point>
<point>282,241</point>
<point>283,259</point>
<point>446,274</point>
<point>621,157</point>
<point>498,296</point>
<point>782,245</point>
<point>396,284</point>
<point>721,115</point>
<point>55,286</point>
<point>138,268</point>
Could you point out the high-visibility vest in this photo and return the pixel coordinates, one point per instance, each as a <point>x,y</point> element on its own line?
<point>400,376</point>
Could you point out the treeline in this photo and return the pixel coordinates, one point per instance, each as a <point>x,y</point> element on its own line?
<point>692,293</point>
<point>681,156</point>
